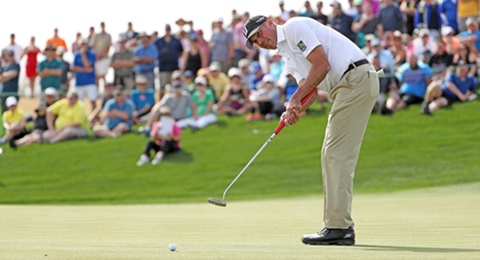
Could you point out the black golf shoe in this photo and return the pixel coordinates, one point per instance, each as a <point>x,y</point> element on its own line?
<point>331,236</point>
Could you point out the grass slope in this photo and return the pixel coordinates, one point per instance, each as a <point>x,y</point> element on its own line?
<point>403,151</point>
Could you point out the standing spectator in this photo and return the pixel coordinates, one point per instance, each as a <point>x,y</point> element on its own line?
<point>17,49</point>
<point>101,44</point>
<point>75,44</point>
<point>450,10</point>
<point>307,10</point>
<point>83,66</point>
<point>56,40</point>
<point>319,15</point>
<point>398,49</point>
<point>130,33</point>
<point>390,16</point>
<point>91,34</point>
<point>13,120</point>
<point>66,72</point>
<point>170,50</point>
<point>144,56</point>
<point>428,13</point>
<point>466,9</point>
<point>9,77</point>
<point>408,7</point>
<point>217,79</point>
<point>221,46</point>
<point>342,22</point>
<point>366,23</point>
<point>50,71</point>
<point>415,77</point>
<point>351,10</point>
<point>459,86</point>
<point>284,14</point>
<point>143,99</point>
<point>123,63</point>
<point>193,58</point>
<point>165,138</point>
<point>117,117</point>
<point>203,45</point>
<point>235,99</point>
<point>31,51</point>
<point>66,119</point>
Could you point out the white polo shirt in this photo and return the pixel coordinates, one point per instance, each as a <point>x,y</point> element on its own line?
<point>300,35</point>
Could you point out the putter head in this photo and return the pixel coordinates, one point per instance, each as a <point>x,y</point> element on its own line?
<point>217,202</point>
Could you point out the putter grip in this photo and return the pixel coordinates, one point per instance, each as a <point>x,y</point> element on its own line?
<point>281,125</point>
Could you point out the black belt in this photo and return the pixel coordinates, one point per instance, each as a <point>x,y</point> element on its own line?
<point>356,64</point>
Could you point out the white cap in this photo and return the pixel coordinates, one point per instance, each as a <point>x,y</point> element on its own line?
<point>50,91</point>
<point>176,74</point>
<point>11,101</point>
<point>220,20</point>
<point>234,72</point>
<point>201,80</point>
<point>446,30</point>
<point>268,78</point>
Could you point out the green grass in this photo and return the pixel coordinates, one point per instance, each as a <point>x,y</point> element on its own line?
<point>400,152</point>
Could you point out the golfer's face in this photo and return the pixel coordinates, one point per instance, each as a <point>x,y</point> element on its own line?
<point>264,37</point>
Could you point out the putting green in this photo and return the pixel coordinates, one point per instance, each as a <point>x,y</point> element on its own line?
<point>440,223</point>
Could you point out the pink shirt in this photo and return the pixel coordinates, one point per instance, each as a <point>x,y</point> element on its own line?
<point>176,131</point>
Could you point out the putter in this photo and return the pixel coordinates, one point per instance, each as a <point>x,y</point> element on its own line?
<point>222,202</point>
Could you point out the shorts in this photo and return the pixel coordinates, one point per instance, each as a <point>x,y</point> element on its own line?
<point>80,132</point>
<point>87,90</point>
<point>165,78</point>
<point>410,99</point>
<point>449,98</point>
<point>101,67</point>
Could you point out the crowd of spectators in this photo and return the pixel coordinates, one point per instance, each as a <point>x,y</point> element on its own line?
<point>428,50</point>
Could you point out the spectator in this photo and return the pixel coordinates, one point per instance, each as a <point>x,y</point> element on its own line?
<point>351,10</point>
<point>466,55</point>
<point>257,75</point>
<point>268,99</point>
<point>203,101</point>
<point>143,99</point>
<point>66,75</point>
<point>466,10</point>
<point>94,116</point>
<point>17,49</point>
<point>221,47</point>
<point>245,75</point>
<point>319,15</point>
<point>217,79</point>
<point>165,138</point>
<point>39,126</point>
<point>452,43</point>
<point>276,65</point>
<point>449,9</point>
<point>408,7</point>
<point>170,50</point>
<point>440,61</point>
<point>9,77</point>
<point>471,36</point>
<point>307,10</point>
<point>390,17</point>
<point>13,120</point>
<point>145,56</point>
<point>51,96</point>
<point>235,98</point>
<point>398,50</point>
<point>66,119</point>
<point>50,71</point>
<point>425,43</point>
<point>31,51</point>
<point>56,40</point>
<point>83,66</point>
<point>75,44</point>
<point>122,62</point>
<point>457,87</point>
<point>342,22</point>
<point>130,33</point>
<point>194,58</point>
<point>91,35</point>
<point>188,80</point>
<point>203,45</point>
<point>414,77</point>
<point>284,14</point>
<point>368,48</point>
<point>101,44</point>
<point>387,83</point>
<point>386,57</point>
<point>241,51</point>
<point>117,117</point>
<point>428,14</point>
<point>366,23</point>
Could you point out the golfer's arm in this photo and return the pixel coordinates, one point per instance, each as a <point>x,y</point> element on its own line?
<point>318,71</point>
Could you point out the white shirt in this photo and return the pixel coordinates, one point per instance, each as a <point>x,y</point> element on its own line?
<point>300,35</point>
<point>17,51</point>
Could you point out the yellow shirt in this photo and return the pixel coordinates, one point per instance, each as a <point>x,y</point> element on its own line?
<point>467,8</point>
<point>219,84</point>
<point>11,118</point>
<point>67,115</point>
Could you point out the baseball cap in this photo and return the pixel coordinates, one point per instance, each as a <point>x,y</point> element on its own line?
<point>336,4</point>
<point>268,78</point>
<point>50,91</point>
<point>176,74</point>
<point>200,80</point>
<point>141,79</point>
<point>447,30</point>
<point>60,50</point>
<point>255,67</point>
<point>215,66</point>
<point>376,42</point>
<point>252,26</point>
<point>11,101</point>
<point>234,72</point>
<point>188,74</point>
<point>7,52</point>
<point>243,63</point>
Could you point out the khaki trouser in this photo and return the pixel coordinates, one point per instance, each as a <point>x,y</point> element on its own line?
<point>354,97</point>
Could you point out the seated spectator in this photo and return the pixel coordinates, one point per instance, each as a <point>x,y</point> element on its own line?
<point>235,99</point>
<point>452,43</point>
<point>143,99</point>
<point>94,116</point>
<point>202,105</point>
<point>471,37</point>
<point>368,48</point>
<point>398,50</point>
<point>458,86</point>
<point>188,80</point>
<point>14,122</point>
<point>257,73</point>
<point>414,77</point>
<point>165,138</point>
<point>440,61</point>
<point>66,119</point>
<point>217,79</point>
<point>386,58</point>
<point>268,99</point>
<point>387,83</point>
<point>51,96</point>
<point>424,43</point>
<point>39,126</point>
<point>466,55</point>
<point>117,118</point>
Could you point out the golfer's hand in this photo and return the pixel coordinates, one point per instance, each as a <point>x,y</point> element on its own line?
<point>292,115</point>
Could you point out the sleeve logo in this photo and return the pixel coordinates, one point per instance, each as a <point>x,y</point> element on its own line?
<point>301,46</point>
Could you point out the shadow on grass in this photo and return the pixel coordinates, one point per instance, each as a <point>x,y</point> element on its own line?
<point>416,249</point>
<point>181,156</point>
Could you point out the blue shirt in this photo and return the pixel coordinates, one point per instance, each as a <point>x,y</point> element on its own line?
<point>168,53</point>
<point>12,84</point>
<point>449,8</point>
<point>468,34</point>
<point>127,107</point>
<point>414,82</point>
<point>391,18</point>
<point>468,84</point>
<point>149,51</point>
<point>84,78</point>
<point>50,81</point>
<point>140,100</point>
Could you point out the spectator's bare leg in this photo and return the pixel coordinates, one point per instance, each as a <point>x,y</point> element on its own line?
<point>63,134</point>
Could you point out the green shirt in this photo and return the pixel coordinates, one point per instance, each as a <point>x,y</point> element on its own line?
<point>202,104</point>
<point>50,81</point>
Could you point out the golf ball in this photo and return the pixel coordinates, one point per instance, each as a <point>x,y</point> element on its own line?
<point>255,131</point>
<point>172,247</point>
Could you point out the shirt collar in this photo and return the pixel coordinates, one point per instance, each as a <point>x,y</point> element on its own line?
<point>280,35</point>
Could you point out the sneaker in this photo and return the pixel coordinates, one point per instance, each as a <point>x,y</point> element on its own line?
<point>331,236</point>
<point>143,160</point>
<point>157,159</point>
<point>250,117</point>
<point>257,116</point>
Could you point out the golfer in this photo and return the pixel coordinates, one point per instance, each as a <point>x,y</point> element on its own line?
<point>320,57</point>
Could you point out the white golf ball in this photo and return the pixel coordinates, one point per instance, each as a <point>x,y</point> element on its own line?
<point>172,247</point>
<point>255,131</point>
